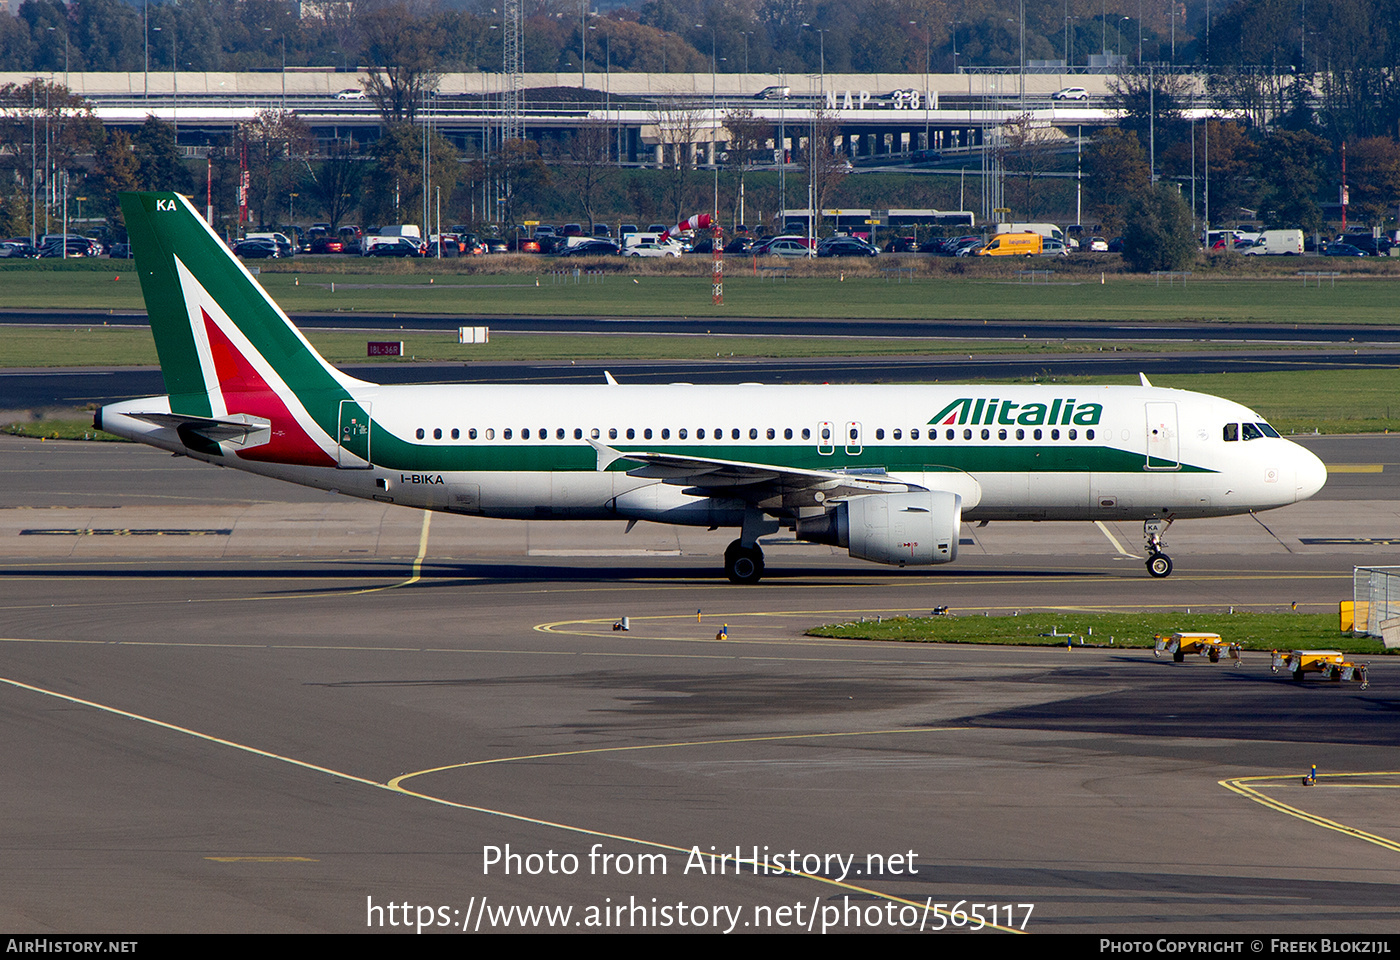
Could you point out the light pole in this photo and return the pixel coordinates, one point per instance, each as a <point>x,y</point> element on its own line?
<point>953,32</point>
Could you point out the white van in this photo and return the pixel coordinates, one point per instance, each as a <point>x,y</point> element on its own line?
<point>1047,230</point>
<point>1277,243</point>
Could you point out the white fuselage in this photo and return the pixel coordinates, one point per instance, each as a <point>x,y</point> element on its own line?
<point>1014,452</point>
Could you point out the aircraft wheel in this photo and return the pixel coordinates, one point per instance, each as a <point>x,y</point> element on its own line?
<point>1178,657</point>
<point>1159,565</point>
<point>743,564</point>
<point>1298,674</point>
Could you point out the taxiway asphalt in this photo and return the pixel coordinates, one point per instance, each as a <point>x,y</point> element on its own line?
<point>236,705</point>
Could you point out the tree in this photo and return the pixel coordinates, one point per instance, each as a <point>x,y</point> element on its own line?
<point>401,50</point>
<point>1027,152</point>
<point>520,176</point>
<point>1117,174</point>
<point>158,160</point>
<point>1152,107</point>
<point>1291,168</point>
<point>1159,232</point>
<point>44,130</point>
<point>826,165</point>
<point>1227,152</point>
<point>333,184</point>
<point>116,170</point>
<point>1373,173</point>
<point>278,143</point>
<point>678,127</point>
<point>585,167</point>
<point>395,190</point>
<point>748,138</point>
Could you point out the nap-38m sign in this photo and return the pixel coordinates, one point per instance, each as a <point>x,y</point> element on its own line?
<point>909,99</point>
<point>981,411</point>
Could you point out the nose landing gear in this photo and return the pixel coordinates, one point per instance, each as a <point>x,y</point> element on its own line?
<point>1159,565</point>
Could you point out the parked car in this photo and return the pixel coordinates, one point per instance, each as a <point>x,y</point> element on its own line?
<point>1070,93</point>
<point>590,248</point>
<point>1098,245</point>
<point>256,249</point>
<point>1338,249</point>
<point>774,93</point>
<point>120,251</point>
<point>784,246</point>
<point>395,247</point>
<point>652,248</point>
<point>902,245</point>
<point>19,247</point>
<point>739,245</point>
<point>326,244</point>
<point>846,247</point>
<point>54,246</point>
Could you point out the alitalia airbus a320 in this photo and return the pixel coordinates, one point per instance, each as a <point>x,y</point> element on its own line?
<point>888,472</point>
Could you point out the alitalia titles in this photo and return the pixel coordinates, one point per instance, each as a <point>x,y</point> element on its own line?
<point>984,412</point>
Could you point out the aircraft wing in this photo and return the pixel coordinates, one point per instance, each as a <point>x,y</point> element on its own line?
<point>765,485</point>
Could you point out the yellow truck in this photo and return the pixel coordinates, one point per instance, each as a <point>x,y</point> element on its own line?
<point>1013,245</point>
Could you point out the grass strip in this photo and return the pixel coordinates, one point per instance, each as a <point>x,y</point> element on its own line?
<point>1252,630</point>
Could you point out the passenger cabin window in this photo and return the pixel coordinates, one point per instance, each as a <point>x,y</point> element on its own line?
<point>419,433</point>
<point>806,433</point>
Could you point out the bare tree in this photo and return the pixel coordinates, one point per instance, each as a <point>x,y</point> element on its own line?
<point>279,143</point>
<point>401,49</point>
<point>334,182</point>
<point>678,128</point>
<point>1027,153</point>
<point>748,138</point>
<point>584,168</point>
<point>826,166</point>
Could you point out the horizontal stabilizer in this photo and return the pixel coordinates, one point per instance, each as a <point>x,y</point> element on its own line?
<point>240,428</point>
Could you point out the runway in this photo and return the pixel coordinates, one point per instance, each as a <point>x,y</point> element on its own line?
<point>235,705</point>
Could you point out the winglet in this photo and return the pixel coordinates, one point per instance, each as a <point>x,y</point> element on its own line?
<point>609,376</point>
<point>1143,377</point>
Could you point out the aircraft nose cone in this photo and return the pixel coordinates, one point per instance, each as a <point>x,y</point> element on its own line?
<point>1312,474</point>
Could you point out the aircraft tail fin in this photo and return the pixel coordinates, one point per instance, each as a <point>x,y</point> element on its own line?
<point>225,347</point>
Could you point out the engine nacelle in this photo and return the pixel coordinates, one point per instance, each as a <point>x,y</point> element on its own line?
<point>898,528</point>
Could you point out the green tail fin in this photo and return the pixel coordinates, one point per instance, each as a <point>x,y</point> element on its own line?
<point>195,291</point>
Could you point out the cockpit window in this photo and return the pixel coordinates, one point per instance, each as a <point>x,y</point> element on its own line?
<point>1268,430</point>
<point>1252,432</point>
<point>1232,431</point>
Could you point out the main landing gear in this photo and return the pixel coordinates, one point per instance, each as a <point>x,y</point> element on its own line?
<point>743,564</point>
<point>1158,563</point>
